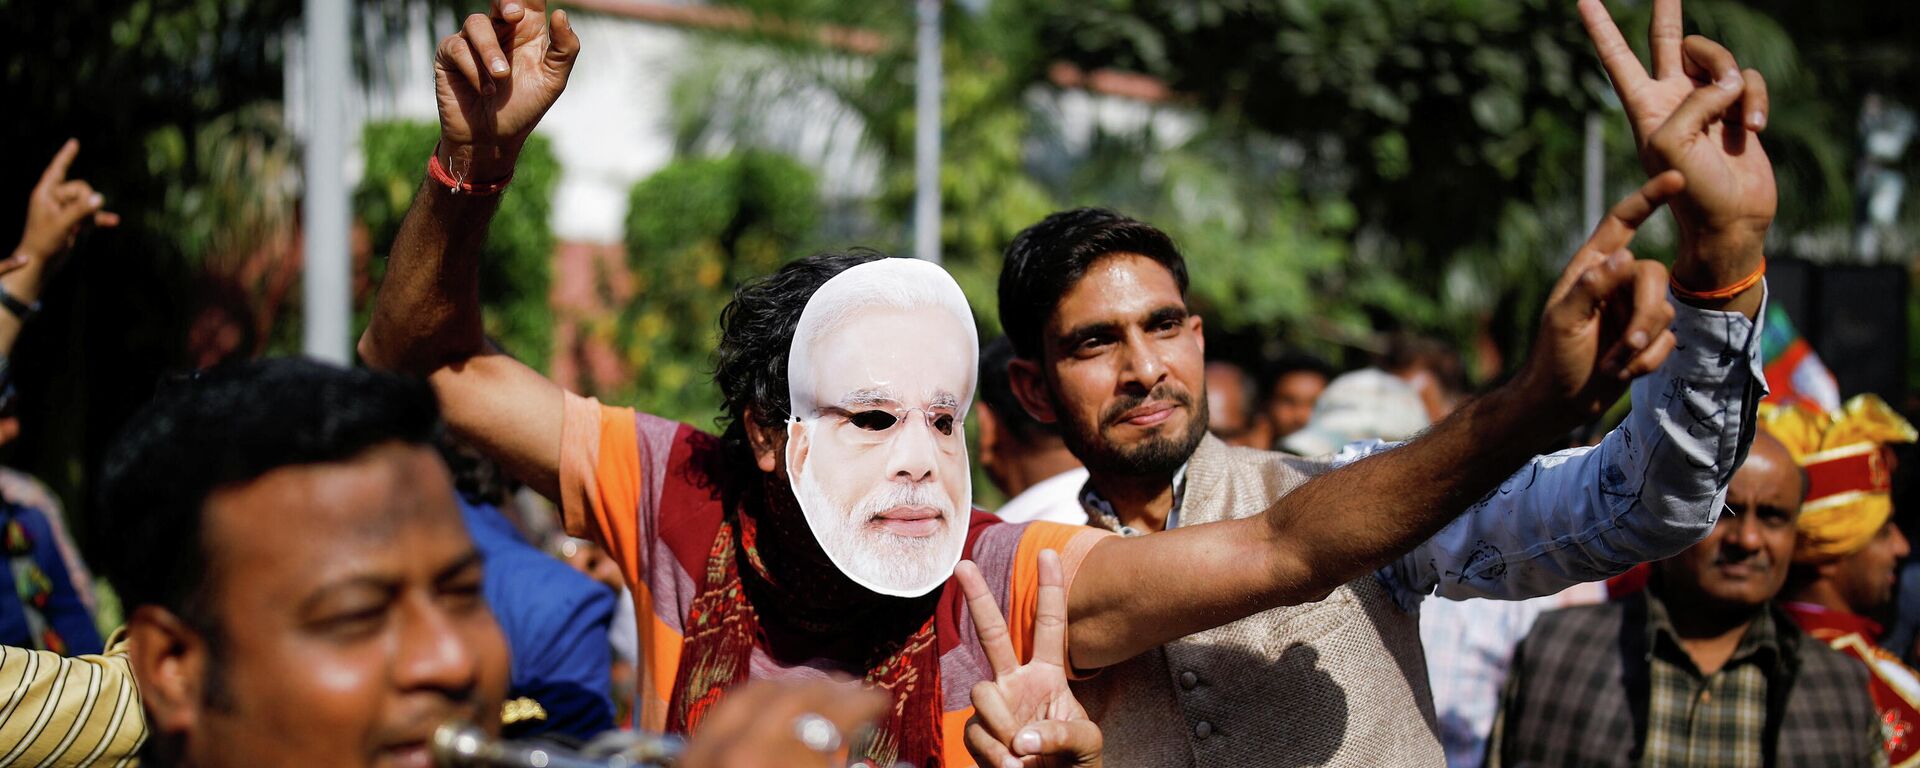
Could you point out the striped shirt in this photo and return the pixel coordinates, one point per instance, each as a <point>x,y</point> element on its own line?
<point>69,711</point>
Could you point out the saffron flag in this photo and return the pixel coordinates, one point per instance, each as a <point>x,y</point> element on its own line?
<point>1795,375</point>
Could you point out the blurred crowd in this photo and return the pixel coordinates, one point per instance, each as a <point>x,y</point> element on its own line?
<point>1204,557</point>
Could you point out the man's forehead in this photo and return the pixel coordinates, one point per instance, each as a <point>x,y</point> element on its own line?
<point>1118,288</point>
<point>318,511</point>
<point>878,318</point>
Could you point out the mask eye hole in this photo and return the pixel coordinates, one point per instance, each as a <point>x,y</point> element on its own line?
<point>873,421</point>
<point>943,423</point>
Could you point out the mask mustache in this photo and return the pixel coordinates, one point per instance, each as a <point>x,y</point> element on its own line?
<point>1166,392</point>
<point>897,495</point>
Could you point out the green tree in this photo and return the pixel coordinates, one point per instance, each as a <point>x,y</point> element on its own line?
<point>696,229</point>
<point>1274,248</point>
<point>1454,127</point>
<point>986,193</point>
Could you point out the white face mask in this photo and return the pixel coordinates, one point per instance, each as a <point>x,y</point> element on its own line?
<point>880,374</point>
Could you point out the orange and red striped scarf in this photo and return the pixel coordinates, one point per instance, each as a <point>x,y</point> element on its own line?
<point>723,627</point>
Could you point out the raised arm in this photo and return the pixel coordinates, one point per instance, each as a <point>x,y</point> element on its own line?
<point>1656,484</point>
<point>1730,200</point>
<point>494,80</point>
<point>57,209</point>
<point>1695,114</point>
<point>1605,323</point>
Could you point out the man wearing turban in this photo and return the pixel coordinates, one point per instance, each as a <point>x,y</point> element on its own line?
<point>1847,548</point>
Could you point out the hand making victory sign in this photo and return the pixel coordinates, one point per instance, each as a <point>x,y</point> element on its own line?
<point>1693,113</point>
<point>495,78</point>
<point>1026,717</point>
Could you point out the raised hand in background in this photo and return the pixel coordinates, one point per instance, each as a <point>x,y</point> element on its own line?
<point>57,209</point>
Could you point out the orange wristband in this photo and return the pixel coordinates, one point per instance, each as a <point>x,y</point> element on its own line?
<point>1720,294</point>
<point>439,174</point>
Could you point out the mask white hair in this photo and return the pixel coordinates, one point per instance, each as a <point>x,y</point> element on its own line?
<point>879,291</point>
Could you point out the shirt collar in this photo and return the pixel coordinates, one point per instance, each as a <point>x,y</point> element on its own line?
<point>1100,512</point>
<point>1762,637</point>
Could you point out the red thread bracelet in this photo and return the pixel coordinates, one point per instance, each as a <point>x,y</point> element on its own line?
<point>1720,294</point>
<point>439,174</point>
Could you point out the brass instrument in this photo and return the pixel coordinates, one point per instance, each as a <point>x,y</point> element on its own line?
<point>463,745</point>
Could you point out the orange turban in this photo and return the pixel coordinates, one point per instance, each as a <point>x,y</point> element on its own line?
<point>1849,472</point>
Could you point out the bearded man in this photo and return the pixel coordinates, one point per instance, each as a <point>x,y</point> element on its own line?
<point>816,535</point>
<point>1108,349</point>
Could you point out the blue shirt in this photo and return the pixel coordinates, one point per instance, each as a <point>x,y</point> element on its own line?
<point>44,572</point>
<point>555,620</point>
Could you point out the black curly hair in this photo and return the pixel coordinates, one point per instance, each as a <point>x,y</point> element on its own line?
<point>756,331</point>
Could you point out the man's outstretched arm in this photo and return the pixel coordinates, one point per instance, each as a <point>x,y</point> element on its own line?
<point>1687,117</point>
<point>1656,484</point>
<point>1605,324</point>
<point>494,80</point>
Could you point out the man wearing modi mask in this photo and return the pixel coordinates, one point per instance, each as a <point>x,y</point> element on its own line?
<point>816,535</point>
<point>879,377</point>
<point>1847,549</point>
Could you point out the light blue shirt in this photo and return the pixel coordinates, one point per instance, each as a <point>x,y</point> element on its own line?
<point>1652,488</point>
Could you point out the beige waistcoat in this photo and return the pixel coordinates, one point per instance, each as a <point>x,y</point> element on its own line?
<point>1340,682</point>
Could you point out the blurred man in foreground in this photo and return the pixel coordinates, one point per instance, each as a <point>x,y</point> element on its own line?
<point>1703,667</point>
<point>299,584</point>
<point>1842,584</point>
<point>303,590</point>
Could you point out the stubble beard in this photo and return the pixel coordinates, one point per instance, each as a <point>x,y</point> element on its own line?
<point>1159,454</point>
